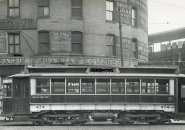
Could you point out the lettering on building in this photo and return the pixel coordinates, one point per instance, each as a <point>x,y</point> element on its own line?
<point>125,13</point>
<point>13,23</point>
<point>64,60</point>
<point>138,3</point>
<point>60,41</point>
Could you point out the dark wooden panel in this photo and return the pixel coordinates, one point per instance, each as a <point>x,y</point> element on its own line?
<point>7,105</point>
<point>58,98</point>
<point>88,98</point>
<point>21,105</point>
<point>40,99</point>
<point>165,99</point>
<point>118,98</point>
<point>147,98</point>
<point>21,95</point>
<point>72,98</point>
<point>103,98</point>
<point>181,106</point>
<point>132,98</point>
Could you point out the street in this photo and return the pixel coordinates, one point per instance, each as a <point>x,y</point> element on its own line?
<point>96,127</point>
<point>90,126</point>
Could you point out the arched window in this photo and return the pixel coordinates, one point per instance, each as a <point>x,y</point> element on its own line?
<point>111,44</point>
<point>76,42</point>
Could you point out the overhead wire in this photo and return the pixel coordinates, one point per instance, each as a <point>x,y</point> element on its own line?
<point>168,4</point>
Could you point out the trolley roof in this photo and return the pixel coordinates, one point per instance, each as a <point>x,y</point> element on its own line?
<point>94,75</point>
<point>99,71</point>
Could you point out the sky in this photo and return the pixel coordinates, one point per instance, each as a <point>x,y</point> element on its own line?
<point>165,15</point>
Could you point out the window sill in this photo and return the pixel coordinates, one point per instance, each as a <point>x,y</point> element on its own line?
<point>76,18</point>
<point>13,17</point>
<point>76,54</point>
<point>111,56</point>
<point>109,21</point>
<point>15,55</point>
<point>43,17</point>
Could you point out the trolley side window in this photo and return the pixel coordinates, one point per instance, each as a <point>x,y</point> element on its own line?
<point>133,86</point>
<point>147,86</point>
<point>118,86</point>
<point>57,86</point>
<point>42,86</point>
<point>103,86</point>
<point>88,86</point>
<point>73,86</point>
<point>182,91</point>
<point>162,86</point>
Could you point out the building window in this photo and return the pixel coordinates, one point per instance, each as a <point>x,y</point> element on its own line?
<point>134,17</point>
<point>134,48</point>
<point>43,37</point>
<point>76,42</point>
<point>43,8</point>
<point>76,9</point>
<point>111,44</point>
<point>14,8</point>
<point>109,10</point>
<point>14,43</point>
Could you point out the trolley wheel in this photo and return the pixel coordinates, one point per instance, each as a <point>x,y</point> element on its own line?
<point>123,119</point>
<point>44,121</point>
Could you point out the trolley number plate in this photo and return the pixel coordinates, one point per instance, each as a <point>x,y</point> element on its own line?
<point>165,106</point>
<point>40,106</point>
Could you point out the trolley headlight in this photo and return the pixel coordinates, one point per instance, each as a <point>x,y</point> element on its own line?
<point>170,99</point>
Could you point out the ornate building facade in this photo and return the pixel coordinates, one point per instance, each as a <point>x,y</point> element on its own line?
<point>72,32</point>
<point>168,48</point>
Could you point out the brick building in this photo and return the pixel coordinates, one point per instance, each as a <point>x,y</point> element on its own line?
<point>168,48</point>
<point>71,32</point>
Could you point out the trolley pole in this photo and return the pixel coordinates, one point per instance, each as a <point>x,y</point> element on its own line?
<point>120,35</point>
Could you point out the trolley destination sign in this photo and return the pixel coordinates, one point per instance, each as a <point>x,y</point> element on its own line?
<point>62,60</point>
<point>101,70</point>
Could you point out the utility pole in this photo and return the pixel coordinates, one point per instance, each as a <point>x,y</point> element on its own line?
<point>120,35</point>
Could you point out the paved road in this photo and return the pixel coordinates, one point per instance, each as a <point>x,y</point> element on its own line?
<point>96,127</point>
<point>91,126</point>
